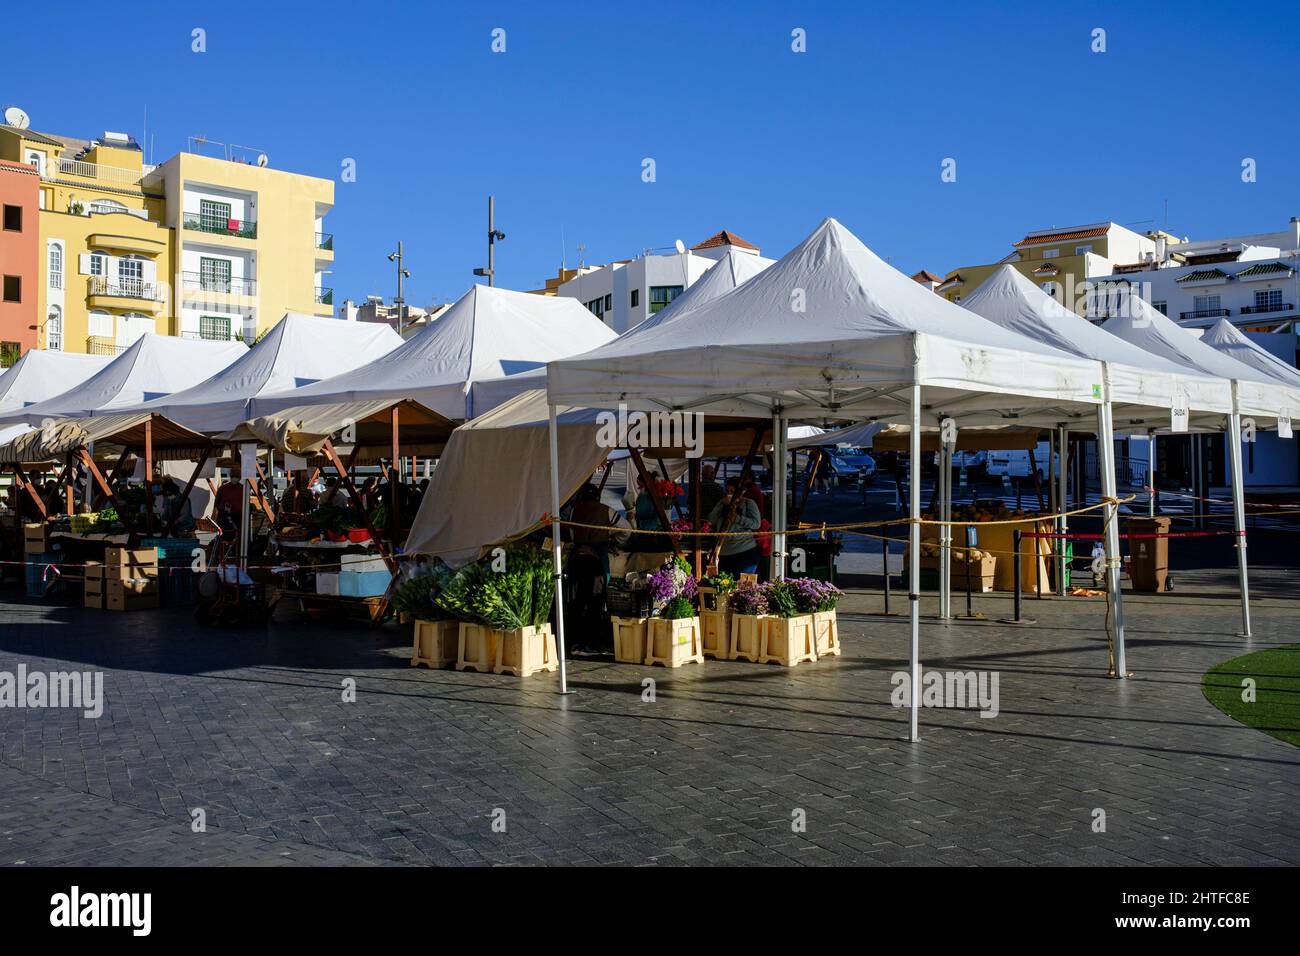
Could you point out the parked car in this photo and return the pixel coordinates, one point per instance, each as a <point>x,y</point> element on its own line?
<point>858,458</point>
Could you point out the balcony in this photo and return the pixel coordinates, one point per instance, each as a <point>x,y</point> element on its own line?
<point>324,296</point>
<point>325,240</point>
<point>103,345</point>
<point>1265,309</point>
<point>1206,314</point>
<point>95,171</point>
<point>215,335</point>
<point>196,282</point>
<point>137,290</point>
<point>220,227</point>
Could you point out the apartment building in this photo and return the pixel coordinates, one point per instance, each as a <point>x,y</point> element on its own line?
<point>1060,260</point>
<point>624,294</point>
<point>1250,280</point>
<point>19,267</point>
<point>198,246</point>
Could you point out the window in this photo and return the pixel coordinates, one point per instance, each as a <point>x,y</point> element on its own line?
<point>1268,300</point>
<point>13,289</point>
<point>1051,253</point>
<point>56,266</point>
<point>130,276</point>
<point>1160,305</point>
<point>636,298</point>
<point>13,218</point>
<point>100,324</point>
<point>215,327</point>
<point>1083,250</point>
<point>36,159</point>
<point>54,330</point>
<point>597,308</point>
<point>97,263</point>
<point>609,302</point>
<point>1206,304</point>
<point>214,216</point>
<point>214,275</point>
<point>10,352</point>
<point>1050,288</point>
<point>107,206</point>
<point>662,295</point>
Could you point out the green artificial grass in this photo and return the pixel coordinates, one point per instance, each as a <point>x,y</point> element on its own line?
<point>1276,708</point>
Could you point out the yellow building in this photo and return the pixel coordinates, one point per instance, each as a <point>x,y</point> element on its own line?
<point>1061,260</point>
<point>198,246</point>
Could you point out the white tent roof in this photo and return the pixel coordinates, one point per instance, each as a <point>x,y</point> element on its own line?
<point>487,333</point>
<point>41,374</point>
<point>1227,338</point>
<point>152,366</point>
<point>1141,382</point>
<point>298,350</point>
<point>1139,323</point>
<point>730,271</point>
<point>830,329</point>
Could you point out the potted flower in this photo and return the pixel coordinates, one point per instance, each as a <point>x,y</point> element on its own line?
<point>436,633</point>
<point>749,610</point>
<point>715,613</point>
<point>788,636</point>
<point>820,598</point>
<point>673,635</point>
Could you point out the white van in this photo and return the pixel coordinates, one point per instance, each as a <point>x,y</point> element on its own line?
<point>1016,463</point>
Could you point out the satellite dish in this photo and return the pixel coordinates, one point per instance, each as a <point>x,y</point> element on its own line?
<point>263,159</point>
<point>681,246</point>
<point>16,117</point>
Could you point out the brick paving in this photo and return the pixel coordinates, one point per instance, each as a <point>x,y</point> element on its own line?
<point>252,728</point>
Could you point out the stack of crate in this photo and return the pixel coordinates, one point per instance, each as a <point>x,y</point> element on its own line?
<point>37,556</point>
<point>130,579</point>
<point>175,569</point>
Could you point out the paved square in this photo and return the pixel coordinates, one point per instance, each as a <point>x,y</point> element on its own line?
<point>251,727</point>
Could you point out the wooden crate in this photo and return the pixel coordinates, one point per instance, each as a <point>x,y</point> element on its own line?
<point>476,647</point>
<point>93,584</point>
<point>746,636</point>
<point>715,623</point>
<point>788,640</point>
<point>526,651</point>
<point>629,639</point>
<point>673,643</point>
<point>827,630</point>
<point>436,643</point>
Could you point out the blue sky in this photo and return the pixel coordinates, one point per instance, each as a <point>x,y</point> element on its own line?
<point>745,134</point>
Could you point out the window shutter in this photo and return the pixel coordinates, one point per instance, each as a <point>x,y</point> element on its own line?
<point>84,260</point>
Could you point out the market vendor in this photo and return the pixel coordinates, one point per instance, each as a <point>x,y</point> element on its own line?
<point>176,507</point>
<point>228,507</point>
<point>739,552</point>
<point>298,498</point>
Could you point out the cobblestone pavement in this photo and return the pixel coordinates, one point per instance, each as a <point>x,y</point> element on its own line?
<point>252,728</point>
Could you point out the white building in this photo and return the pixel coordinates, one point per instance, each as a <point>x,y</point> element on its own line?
<point>624,294</point>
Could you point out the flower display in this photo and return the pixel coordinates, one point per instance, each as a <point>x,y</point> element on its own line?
<point>674,580</point>
<point>749,599</point>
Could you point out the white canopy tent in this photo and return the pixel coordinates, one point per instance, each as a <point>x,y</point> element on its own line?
<point>487,333</point>
<point>1254,393</point>
<point>730,271</point>
<point>298,350</point>
<point>831,330</point>
<point>152,366</point>
<point>42,374</point>
<point>1227,338</point>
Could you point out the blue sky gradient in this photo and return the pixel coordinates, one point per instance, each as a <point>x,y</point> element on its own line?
<point>745,134</point>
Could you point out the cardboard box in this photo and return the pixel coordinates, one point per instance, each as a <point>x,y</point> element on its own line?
<point>142,584</point>
<point>94,571</point>
<point>120,561</point>
<point>36,538</point>
<point>120,601</point>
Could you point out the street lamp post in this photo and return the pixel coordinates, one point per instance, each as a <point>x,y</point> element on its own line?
<point>495,235</point>
<point>402,273</point>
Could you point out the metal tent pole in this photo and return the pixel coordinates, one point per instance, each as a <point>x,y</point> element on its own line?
<point>945,534</point>
<point>1106,464</point>
<point>1239,511</point>
<point>1151,474</point>
<point>557,551</point>
<point>914,555</point>
<point>1063,505</point>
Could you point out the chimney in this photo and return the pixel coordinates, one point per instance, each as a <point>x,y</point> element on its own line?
<point>1161,250</point>
<point>1295,232</point>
